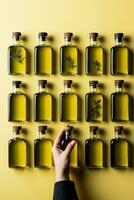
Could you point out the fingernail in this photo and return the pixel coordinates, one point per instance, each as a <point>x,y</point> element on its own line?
<point>73,142</point>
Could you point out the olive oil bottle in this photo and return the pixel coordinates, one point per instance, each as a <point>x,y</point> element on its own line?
<point>17,147</point>
<point>43,150</point>
<point>74,153</point>
<point>68,57</point>
<point>43,56</point>
<point>119,103</point>
<point>42,103</point>
<point>94,150</point>
<point>120,57</point>
<point>94,57</point>
<point>68,103</point>
<point>16,56</point>
<point>120,150</point>
<point>93,103</point>
<point>17,104</point>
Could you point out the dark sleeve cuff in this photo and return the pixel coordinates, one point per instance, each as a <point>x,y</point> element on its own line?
<point>65,190</point>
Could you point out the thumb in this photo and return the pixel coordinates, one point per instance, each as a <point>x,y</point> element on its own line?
<point>69,147</point>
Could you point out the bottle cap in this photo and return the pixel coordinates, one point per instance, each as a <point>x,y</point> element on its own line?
<point>42,129</point>
<point>16,129</point>
<point>118,129</point>
<point>16,83</point>
<point>119,83</point>
<point>93,83</point>
<point>42,83</point>
<point>16,35</point>
<point>68,83</point>
<point>93,36</point>
<point>93,129</point>
<point>68,35</point>
<point>118,35</point>
<point>43,35</point>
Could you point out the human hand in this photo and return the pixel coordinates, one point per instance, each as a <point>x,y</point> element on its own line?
<point>61,158</point>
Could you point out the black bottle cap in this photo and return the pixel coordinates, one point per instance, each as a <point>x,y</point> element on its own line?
<point>119,83</point>
<point>16,35</point>
<point>118,129</point>
<point>16,83</point>
<point>68,83</point>
<point>93,83</point>
<point>43,35</point>
<point>42,83</point>
<point>93,129</point>
<point>42,129</point>
<point>16,129</point>
<point>68,35</point>
<point>118,36</point>
<point>93,36</point>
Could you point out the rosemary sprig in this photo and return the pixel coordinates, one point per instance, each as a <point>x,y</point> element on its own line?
<point>70,62</point>
<point>96,64</point>
<point>95,108</point>
<point>17,55</point>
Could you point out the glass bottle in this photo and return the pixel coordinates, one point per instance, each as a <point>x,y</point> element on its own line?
<point>43,150</point>
<point>94,149</point>
<point>17,147</point>
<point>120,150</point>
<point>120,57</point>
<point>93,103</point>
<point>119,103</point>
<point>17,104</point>
<point>68,103</point>
<point>68,57</point>
<point>43,56</point>
<point>94,56</point>
<point>16,56</point>
<point>42,103</point>
<point>64,142</point>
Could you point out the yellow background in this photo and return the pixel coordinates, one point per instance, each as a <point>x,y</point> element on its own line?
<point>56,17</point>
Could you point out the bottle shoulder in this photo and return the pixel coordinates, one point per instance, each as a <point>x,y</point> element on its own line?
<point>97,140</point>
<point>14,140</point>
<point>42,94</point>
<point>68,93</point>
<point>93,94</point>
<point>119,140</point>
<point>119,47</point>
<point>68,47</point>
<point>90,47</point>
<point>16,94</point>
<point>119,94</point>
<point>16,47</point>
<point>40,140</point>
<point>43,47</point>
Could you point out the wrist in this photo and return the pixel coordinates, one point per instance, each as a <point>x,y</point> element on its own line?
<point>62,176</point>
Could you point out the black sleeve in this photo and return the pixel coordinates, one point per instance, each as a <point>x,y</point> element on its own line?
<point>65,190</point>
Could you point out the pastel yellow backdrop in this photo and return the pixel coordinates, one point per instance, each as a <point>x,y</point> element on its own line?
<point>57,17</point>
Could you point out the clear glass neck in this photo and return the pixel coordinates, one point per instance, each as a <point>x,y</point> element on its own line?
<point>93,135</point>
<point>16,90</point>
<point>118,42</point>
<point>68,43</point>
<point>41,135</point>
<point>15,135</point>
<point>118,135</point>
<point>93,42</point>
<point>67,89</point>
<point>93,89</point>
<point>15,42</point>
<point>118,89</point>
<point>42,89</point>
<point>42,42</point>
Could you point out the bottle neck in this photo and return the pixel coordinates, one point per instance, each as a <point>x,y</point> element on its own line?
<point>118,89</point>
<point>93,135</point>
<point>118,135</point>
<point>93,42</point>
<point>41,135</point>
<point>42,42</point>
<point>93,89</point>
<point>118,42</point>
<point>42,89</point>
<point>15,42</point>
<point>67,89</point>
<point>15,135</point>
<point>16,89</point>
<point>68,43</point>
